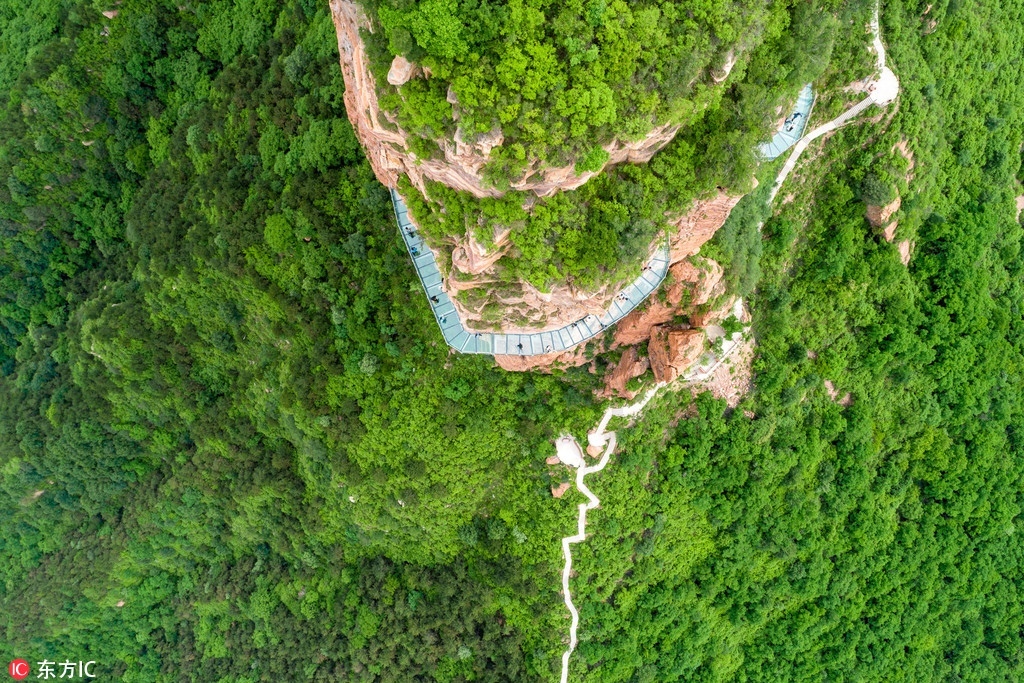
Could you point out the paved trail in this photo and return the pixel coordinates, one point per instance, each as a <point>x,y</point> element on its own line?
<point>881,91</point>
<point>598,437</point>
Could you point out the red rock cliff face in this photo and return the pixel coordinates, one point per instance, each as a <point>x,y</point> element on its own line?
<point>693,287</point>
<point>385,143</point>
<point>700,224</point>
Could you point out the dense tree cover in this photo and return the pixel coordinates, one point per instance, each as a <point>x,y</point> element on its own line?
<point>601,231</point>
<point>562,78</point>
<point>796,538</point>
<point>233,445</point>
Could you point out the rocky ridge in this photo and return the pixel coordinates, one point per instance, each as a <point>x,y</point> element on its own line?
<point>484,301</point>
<point>386,143</point>
<point>671,322</point>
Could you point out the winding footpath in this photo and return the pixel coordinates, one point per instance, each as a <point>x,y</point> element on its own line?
<point>881,92</point>
<point>599,437</point>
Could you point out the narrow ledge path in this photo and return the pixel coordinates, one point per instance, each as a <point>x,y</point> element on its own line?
<point>564,338</point>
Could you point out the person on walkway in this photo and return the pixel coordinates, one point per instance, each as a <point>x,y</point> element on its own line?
<point>520,347</point>
<point>444,319</point>
<point>547,349</point>
<point>435,299</point>
<point>415,251</point>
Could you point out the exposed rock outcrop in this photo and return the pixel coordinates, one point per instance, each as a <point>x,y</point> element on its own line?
<point>906,248</point>
<point>522,307</point>
<point>401,71</point>
<point>691,286</point>
<point>628,367</point>
<point>698,225</point>
<point>472,258</point>
<point>1020,206</point>
<point>705,317</point>
<point>460,167</point>
<point>879,216</point>
<point>673,350</point>
<point>833,394</point>
<point>720,74</point>
<point>571,358</point>
<point>490,305</point>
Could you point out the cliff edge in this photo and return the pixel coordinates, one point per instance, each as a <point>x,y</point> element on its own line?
<point>461,163</point>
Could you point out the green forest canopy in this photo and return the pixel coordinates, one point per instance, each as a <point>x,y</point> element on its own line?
<point>562,78</point>
<point>601,232</point>
<point>213,344</point>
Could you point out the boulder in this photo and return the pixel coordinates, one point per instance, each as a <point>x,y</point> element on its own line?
<point>559,491</point>
<point>401,71</point>
<point>673,351</point>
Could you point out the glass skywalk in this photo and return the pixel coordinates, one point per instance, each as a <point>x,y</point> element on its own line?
<point>793,127</point>
<point>527,344</point>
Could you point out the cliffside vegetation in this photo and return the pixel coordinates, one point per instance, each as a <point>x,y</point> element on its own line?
<point>233,445</point>
<point>602,231</point>
<point>560,79</point>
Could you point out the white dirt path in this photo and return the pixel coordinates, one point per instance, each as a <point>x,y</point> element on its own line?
<point>881,91</point>
<point>598,437</point>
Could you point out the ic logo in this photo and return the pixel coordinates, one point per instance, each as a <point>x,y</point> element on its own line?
<point>19,669</point>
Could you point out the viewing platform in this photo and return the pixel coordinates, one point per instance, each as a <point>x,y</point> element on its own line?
<point>525,344</point>
<point>792,128</point>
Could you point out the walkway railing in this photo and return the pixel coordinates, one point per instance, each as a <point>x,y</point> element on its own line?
<point>526,344</point>
<point>793,129</point>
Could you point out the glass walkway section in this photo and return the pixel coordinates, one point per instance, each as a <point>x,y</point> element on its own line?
<point>527,344</point>
<point>792,128</point>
